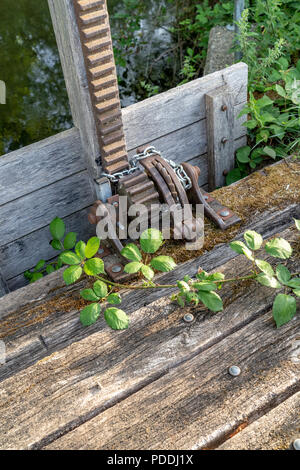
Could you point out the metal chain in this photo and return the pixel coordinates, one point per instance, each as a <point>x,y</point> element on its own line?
<point>149,152</point>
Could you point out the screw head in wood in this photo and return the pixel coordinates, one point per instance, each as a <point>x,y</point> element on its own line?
<point>234,371</point>
<point>224,107</point>
<point>225,172</point>
<point>224,140</point>
<point>116,269</point>
<point>224,213</point>
<point>296,444</point>
<point>188,318</point>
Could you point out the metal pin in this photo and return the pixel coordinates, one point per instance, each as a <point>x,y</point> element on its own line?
<point>224,213</point>
<point>224,107</point>
<point>296,444</point>
<point>116,269</point>
<point>234,371</point>
<point>224,140</point>
<point>188,318</point>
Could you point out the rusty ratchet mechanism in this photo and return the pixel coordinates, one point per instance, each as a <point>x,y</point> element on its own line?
<point>148,178</point>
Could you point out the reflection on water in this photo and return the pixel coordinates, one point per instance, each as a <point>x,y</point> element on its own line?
<point>37,104</point>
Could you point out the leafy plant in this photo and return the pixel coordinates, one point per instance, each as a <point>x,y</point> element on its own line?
<point>143,262</point>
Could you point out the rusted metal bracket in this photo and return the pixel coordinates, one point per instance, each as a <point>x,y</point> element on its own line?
<point>93,24</point>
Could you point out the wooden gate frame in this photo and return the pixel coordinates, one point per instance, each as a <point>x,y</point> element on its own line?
<point>196,122</point>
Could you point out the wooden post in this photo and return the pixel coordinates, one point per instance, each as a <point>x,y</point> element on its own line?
<point>72,61</point>
<point>220,135</point>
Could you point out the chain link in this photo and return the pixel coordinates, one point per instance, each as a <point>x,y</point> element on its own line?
<point>150,152</point>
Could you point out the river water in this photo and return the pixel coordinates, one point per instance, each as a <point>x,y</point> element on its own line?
<point>37,103</point>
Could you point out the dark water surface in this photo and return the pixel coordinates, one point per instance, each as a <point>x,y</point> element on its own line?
<point>37,103</point>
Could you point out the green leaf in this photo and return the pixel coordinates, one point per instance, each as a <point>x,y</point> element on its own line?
<point>80,250</point>
<point>283,274</point>
<point>205,286</point>
<point>280,91</point>
<point>56,245</point>
<point>89,294</point>
<point>215,277</point>
<point>268,281</point>
<point>70,241</point>
<point>297,292</point>
<point>57,228</point>
<point>163,263</point>
<point>94,266</point>
<point>132,252</point>
<point>211,300</point>
<point>132,268</point>
<point>243,153</point>
<point>294,283</point>
<point>50,269</point>
<point>36,277</point>
<point>68,257</point>
<point>284,309</point>
<point>100,289</point>
<point>116,319</point>
<point>253,239</point>
<point>297,223</point>
<point>183,286</point>
<point>270,152</point>
<point>147,272</point>
<point>264,101</point>
<point>72,274</point>
<point>90,314</point>
<point>279,248</point>
<point>233,176</point>
<point>40,265</point>
<point>181,300</point>
<point>151,240</point>
<point>92,247</point>
<point>114,299</point>
<point>265,267</point>
<point>241,249</point>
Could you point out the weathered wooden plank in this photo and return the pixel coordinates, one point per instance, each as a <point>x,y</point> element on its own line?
<point>276,430</point>
<point>19,254</point>
<point>181,106</point>
<point>35,210</point>
<point>35,166</point>
<point>198,404</point>
<point>220,135</point>
<point>106,366</point>
<point>3,286</point>
<point>71,57</point>
<point>188,142</point>
<point>61,326</point>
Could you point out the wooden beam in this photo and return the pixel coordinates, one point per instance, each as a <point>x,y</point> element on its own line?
<point>72,61</point>
<point>3,286</point>
<point>220,135</point>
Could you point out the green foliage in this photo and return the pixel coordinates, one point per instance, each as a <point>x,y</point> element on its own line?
<point>201,289</point>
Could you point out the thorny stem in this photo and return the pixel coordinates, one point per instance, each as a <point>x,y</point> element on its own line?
<point>173,286</point>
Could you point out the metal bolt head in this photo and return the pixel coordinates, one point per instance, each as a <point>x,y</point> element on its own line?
<point>224,107</point>
<point>234,371</point>
<point>296,444</point>
<point>116,269</point>
<point>225,172</point>
<point>188,318</point>
<point>115,204</point>
<point>224,140</point>
<point>224,213</point>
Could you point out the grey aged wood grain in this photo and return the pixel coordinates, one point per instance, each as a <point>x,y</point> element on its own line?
<point>197,404</point>
<point>181,106</point>
<point>35,210</point>
<point>3,286</point>
<point>220,135</point>
<point>103,368</point>
<point>40,164</point>
<point>67,329</point>
<point>71,57</point>
<point>276,430</point>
